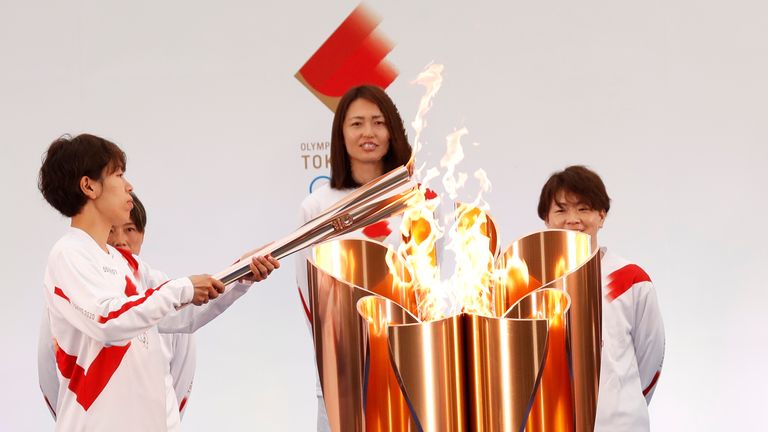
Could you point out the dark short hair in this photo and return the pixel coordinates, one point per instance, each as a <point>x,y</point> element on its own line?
<point>399,151</point>
<point>138,214</point>
<point>68,160</point>
<point>578,180</point>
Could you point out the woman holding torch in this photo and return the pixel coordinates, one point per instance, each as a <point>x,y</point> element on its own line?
<point>101,313</point>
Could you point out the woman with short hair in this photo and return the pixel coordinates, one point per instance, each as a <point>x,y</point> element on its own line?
<point>633,330</point>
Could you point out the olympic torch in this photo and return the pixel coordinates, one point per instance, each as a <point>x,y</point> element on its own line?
<point>379,199</point>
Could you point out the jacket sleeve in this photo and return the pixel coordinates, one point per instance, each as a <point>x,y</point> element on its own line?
<point>190,318</point>
<point>183,361</point>
<point>96,305</point>
<point>46,365</point>
<point>648,337</point>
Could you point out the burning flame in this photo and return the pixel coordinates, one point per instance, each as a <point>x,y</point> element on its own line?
<point>477,285</point>
<point>420,234</point>
<point>470,243</point>
<point>469,238</point>
<point>453,155</point>
<point>431,79</point>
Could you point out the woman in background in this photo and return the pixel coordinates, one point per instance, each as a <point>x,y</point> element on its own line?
<point>368,140</point>
<point>633,331</point>
<point>179,348</point>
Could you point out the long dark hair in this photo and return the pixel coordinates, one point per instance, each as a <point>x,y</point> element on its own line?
<point>399,149</point>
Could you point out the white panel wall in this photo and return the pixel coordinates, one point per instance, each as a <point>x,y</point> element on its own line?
<point>665,99</point>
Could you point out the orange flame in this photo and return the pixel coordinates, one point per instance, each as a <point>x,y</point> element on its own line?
<point>453,155</point>
<point>469,238</point>
<point>479,284</point>
<point>431,78</point>
<point>470,244</point>
<point>420,234</point>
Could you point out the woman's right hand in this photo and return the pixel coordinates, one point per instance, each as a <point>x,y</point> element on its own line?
<point>206,287</point>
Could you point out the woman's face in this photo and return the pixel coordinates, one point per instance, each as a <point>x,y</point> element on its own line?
<point>568,211</point>
<point>366,136</point>
<point>113,196</point>
<point>126,236</point>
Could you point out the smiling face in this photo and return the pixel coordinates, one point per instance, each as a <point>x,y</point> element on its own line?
<point>568,211</point>
<point>366,135</point>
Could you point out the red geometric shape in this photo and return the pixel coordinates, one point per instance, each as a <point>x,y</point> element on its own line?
<point>88,385</point>
<point>429,194</point>
<point>132,263</point>
<point>353,55</point>
<point>379,230</point>
<point>653,383</point>
<point>130,288</point>
<point>622,279</point>
<point>59,292</point>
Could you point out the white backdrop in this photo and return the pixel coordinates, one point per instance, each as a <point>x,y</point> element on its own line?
<point>665,99</point>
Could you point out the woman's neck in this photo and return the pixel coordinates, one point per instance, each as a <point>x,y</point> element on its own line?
<point>362,173</point>
<point>93,224</point>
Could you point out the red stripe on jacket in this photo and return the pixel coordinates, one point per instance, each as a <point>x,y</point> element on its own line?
<point>653,383</point>
<point>50,407</point>
<point>129,305</point>
<point>124,308</point>
<point>306,308</point>
<point>88,385</point>
<point>622,280</point>
<point>59,292</point>
<point>132,263</point>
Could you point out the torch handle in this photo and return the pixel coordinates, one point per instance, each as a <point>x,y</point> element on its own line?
<point>280,251</point>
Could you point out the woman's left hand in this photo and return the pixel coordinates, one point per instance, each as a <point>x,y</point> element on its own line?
<point>261,267</point>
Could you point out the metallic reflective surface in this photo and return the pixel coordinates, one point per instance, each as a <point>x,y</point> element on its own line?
<point>378,199</point>
<point>429,361</point>
<point>343,272</point>
<point>504,362</point>
<point>552,407</point>
<point>563,260</point>
<point>536,368</point>
<point>386,408</point>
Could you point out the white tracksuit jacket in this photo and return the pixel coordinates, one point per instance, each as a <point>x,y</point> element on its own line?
<point>101,359</point>
<point>633,346</point>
